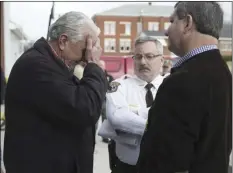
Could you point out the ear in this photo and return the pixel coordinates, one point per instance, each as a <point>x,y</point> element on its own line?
<point>63,41</point>
<point>162,60</point>
<point>189,23</point>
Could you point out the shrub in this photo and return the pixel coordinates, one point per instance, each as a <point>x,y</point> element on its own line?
<point>227,58</point>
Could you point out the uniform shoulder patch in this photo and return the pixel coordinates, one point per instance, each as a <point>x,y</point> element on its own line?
<point>126,76</point>
<point>113,86</point>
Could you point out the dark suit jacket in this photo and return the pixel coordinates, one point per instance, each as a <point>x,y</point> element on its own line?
<point>190,122</point>
<point>50,114</point>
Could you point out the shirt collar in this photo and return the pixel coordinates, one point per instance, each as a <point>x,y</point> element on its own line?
<point>156,82</point>
<point>194,52</point>
<point>56,55</point>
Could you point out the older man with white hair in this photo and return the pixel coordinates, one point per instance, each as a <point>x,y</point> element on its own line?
<point>51,114</point>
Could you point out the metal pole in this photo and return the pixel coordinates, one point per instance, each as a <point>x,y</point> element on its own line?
<point>50,19</point>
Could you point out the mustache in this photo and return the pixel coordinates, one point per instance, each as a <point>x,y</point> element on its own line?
<point>143,68</point>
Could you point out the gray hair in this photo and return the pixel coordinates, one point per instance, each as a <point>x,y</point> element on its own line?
<point>71,23</point>
<point>207,16</point>
<point>143,39</point>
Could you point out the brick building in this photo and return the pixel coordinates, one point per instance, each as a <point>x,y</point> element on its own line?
<point>120,26</point>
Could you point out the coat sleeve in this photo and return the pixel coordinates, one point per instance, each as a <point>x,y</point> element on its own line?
<point>60,99</point>
<point>3,86</point>
<point>119,114</point>
<point>173,126</point>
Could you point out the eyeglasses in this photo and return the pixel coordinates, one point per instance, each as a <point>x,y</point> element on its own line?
<point>148,57</point>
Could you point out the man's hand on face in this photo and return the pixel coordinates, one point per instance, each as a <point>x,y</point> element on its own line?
<point>93,51</point>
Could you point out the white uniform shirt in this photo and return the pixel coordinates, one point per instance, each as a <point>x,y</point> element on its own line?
<point>126,110</point>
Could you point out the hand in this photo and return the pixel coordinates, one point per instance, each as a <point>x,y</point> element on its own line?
<point>143,112</point>
<point>93,51</point>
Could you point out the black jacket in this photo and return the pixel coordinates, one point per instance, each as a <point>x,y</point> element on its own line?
<point>3,86</point>
<point>190,122</point>
<point>50,114</point>
<point>109,78</point>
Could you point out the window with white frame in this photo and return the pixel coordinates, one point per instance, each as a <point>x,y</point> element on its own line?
<point>139,27</point>
<point>109,28</point>
<point>125,45</point>
<point>109,45</point>
<point>166,25</point>
<point>153,26</point>
<point>127,28</point>
<point>225,45</point>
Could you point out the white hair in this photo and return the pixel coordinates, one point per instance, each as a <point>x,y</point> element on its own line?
<point>73,24</point>
<point>102,62</point>
<point>143,39</point>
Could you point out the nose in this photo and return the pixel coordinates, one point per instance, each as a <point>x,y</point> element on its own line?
<point>143,61</point>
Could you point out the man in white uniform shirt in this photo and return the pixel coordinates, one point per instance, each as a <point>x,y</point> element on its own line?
<point>129,100</point>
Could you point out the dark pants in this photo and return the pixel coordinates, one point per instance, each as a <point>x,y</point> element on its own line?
<point>229,169</point>
<point>112,154</point>
<point>103,117</point>
<point>121,167</point>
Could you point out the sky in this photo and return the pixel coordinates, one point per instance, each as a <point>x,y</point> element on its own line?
<point>33,17</point>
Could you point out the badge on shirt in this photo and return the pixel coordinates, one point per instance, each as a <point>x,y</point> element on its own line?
<point>113,87</point>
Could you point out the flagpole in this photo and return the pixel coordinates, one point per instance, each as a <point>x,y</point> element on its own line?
<point>50,19</point>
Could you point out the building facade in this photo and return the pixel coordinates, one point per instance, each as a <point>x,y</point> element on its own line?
<point>16,47</point>
<point>122,25</point>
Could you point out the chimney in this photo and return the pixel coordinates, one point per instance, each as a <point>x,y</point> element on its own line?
<point>150,3</point>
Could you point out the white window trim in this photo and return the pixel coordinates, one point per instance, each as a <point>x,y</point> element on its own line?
<point>126,23</point>
<point>225,39</point>
<point>110,23</point>
<point>125,51</point>
<point>110,39</point>
<point>164,25</point>
<point>138,32</point>
<point>151,23</point>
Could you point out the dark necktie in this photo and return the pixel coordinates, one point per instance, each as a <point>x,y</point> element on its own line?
<point>149,96</point>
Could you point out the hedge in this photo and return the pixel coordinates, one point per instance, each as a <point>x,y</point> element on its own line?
<point>227,58</point>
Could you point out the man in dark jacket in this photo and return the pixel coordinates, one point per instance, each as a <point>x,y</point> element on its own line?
<point>190,123</point>
<point>2,93</point>
<point>3,86</point>
<point>108,76</point>
<point>50,114</point>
